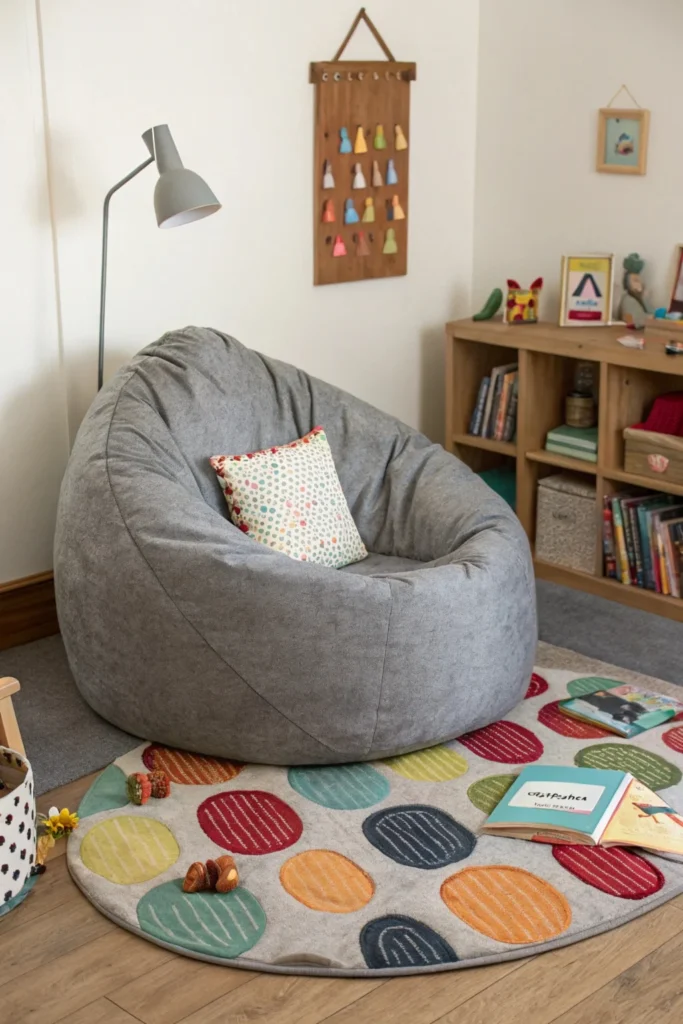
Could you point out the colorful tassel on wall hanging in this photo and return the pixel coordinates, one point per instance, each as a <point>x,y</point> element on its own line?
<point>358,177</point>
<point>339,249</point>
<point>362,247</point>
<point>369,211</point>
<point>401,141</point>
<point>392,176</point>
<point>397,209</point>
<point>350,212</point>
<point>360,145</point>
<point>380,142</point>
<point>328,212</point>
<point>345,141</point>
<point>328,177</point>
<point>390,247</point>
<point>377,181</point>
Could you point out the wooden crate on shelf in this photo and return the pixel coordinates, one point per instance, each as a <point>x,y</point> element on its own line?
<point>659,456</point>
<point>629,381</point>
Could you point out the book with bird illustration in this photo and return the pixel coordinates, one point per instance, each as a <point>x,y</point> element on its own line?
<point>587,807</point>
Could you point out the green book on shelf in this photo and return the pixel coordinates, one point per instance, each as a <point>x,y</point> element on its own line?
<point>572,453</point>
<point>575,437</point>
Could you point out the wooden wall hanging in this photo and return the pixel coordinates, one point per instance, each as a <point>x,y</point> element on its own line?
<point>362,148</point>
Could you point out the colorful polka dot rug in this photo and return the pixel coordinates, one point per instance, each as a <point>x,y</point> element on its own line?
<point>375,868</point>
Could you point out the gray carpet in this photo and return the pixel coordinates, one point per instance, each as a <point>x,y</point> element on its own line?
<point>64,739</point>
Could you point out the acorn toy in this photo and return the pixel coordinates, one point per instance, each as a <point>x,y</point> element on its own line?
<point>140,786</point>
<point>220,875</point>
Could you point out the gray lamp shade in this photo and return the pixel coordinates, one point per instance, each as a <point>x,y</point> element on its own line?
<point>180,196</point>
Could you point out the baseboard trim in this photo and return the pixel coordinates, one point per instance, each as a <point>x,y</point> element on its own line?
<point>27,610</point>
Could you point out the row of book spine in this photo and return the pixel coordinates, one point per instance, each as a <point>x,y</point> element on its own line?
<point>643,541</point>
<point>495,411</point>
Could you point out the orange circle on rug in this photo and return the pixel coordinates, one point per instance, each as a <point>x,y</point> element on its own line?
<point>325,880</point>
<point>190,769</point>
<point>507,903</point>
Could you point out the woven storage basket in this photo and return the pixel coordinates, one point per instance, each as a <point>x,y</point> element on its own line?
<point>17,824</point>
<point>566,522</point>
<point>659,456</point>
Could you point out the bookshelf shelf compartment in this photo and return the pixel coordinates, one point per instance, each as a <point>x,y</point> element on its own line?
<point>563,462</point>
<point>647,482</point>
<point>546,355</point>
<point>487,444</point>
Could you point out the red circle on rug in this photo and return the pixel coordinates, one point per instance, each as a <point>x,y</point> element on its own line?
<point>674,738</point>
<point>612,869</point>
<point>505,742</point>
<point>537,686</point>
<point>249,821</point>
<point>189,769</point>
<point>552,718</point>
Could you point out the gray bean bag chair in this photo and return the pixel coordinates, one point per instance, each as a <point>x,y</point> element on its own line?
<point>181,629</point>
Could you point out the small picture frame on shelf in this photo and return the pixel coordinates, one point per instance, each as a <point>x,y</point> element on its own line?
<point>622,140</point>
<point>676,300</point>
<point>586,290</point>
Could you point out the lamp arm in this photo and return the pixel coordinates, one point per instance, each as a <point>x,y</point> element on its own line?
<point>103,274</point>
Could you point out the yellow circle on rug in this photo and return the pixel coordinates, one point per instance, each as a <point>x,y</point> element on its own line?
<point>507,903</point>
<point>325,880</point>
<point>128,849</point>
<point>437,764</point>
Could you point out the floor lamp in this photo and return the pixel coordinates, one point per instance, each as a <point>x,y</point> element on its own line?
<point>180,196</point>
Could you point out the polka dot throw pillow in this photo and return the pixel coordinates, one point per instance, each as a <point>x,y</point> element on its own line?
<point>290,499</point>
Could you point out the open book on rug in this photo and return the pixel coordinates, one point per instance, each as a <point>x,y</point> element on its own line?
<point>588,806</point>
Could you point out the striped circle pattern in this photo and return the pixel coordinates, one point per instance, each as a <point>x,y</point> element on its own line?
<point>651,769</point>
<point>127,850</point>
<point>674,738</point>
<point>190,769</point>
<point>341,787</point>
<point>552,718</point>
<point>249,821</point>
<point>325,880</point>
<point>437,764</point>
<point>419,836</point>
<point>611,869</point>
<point>399,941</point>
<point>537,686</point>
<point>507,903</point>
<point>589,684</point>
<point>487,793</point>
<point>506,742</point>
<point>216,924</point>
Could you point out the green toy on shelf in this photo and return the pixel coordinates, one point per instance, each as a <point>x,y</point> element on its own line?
<point>491,306</point>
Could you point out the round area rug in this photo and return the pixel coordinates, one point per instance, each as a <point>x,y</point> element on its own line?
<point>373,868</point>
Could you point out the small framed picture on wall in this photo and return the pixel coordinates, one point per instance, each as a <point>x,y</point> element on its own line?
<point>676,301</point>
<point>622,140</point>
<point>586,292</point>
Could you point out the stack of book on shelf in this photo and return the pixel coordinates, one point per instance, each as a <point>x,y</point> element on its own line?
<point>643,541</point>
<point>575,442</point>
<point>495,411</point>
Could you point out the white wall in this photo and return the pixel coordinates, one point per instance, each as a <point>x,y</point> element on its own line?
<point>33,436</point>
<point>231,79</point>
<point>543,74</point>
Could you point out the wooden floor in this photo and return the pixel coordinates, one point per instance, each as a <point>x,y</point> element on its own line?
<point>60,960</point>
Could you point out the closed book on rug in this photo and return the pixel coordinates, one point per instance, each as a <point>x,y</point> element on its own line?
<point>625,710</point>
<point>586,807</point>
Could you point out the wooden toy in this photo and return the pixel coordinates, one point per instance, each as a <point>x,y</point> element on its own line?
<point>398,213</point>
<point>328,212</point>
<point>9,729</point>
<point>219,875</point>
<point>390,244</point>
<point>370,100</point>
<point>362,247</point>
<point>358,177</point>
<point>400,142</point>
<point>350,213</point>
<point>328,177</point>
<point>392,176</point>
<point>521,306</point>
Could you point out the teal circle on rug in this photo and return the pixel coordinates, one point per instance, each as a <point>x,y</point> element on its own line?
<point>371,869</point>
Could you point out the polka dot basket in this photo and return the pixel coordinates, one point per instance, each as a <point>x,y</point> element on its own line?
<point>376,868</point>
<point>17,828</point>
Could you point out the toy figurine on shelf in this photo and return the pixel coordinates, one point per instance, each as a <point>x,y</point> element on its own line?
<point>521,306</point>
<point>633,308</point>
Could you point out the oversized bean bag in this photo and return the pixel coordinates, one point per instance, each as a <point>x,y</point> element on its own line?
<point>181,629</point>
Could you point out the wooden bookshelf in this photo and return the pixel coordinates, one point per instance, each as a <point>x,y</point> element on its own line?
<point>628,381</point>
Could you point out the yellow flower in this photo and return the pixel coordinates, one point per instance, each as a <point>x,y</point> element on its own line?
<point>59,823</point>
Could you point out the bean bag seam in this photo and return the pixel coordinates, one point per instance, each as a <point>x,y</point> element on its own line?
<point>165,591</point>
<point>384,665</point>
